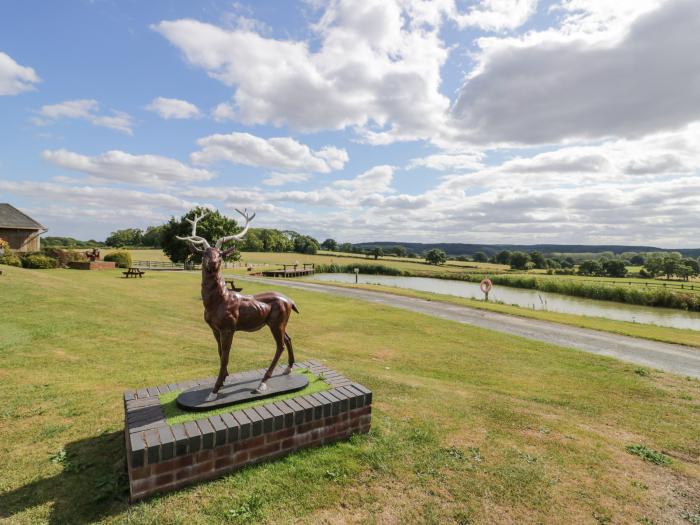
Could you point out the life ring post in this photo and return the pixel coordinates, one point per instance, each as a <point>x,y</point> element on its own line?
<point>486,285</point>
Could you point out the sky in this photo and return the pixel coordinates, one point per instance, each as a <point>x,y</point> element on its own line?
<point>481,121</point>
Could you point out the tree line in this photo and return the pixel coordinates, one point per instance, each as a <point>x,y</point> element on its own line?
<point>216,225</point>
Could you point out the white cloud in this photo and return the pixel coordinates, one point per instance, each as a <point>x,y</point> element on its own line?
<point>280,153</point>
<point>448,161</point>
<point>224,111</point>
<point>14,78</point>
<point>118,166</point>
<point>173,108</point>
<point>93,211</point>
<point>370,71</point>
<point>280,179</point>
<point>496,15</point>
<point>599,20</point>
<point>375,180</point>
<point>549,88</point>
<point>84,109</point>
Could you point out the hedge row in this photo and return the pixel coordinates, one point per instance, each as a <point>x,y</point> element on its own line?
<point>659,297</point>
<point>621,294</point>
<point>370,269</point>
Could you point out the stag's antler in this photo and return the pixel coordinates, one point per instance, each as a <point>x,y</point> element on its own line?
<point>240,235</point>
<point>194,238</point>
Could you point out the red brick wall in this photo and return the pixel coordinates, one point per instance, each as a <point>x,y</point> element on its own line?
<point>225,457</point>
<point>96,265</point>
<point>163,457</point>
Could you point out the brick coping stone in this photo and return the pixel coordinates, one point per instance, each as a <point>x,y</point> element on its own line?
<point>163,457</point>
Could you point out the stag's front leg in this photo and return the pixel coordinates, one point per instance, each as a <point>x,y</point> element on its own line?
<point>279,339</point>
<point>217,336</point>
<point>226,338</point>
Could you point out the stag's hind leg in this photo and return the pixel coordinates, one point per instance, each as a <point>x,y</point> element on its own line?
<point>278,334</point>
<point>290,353</point>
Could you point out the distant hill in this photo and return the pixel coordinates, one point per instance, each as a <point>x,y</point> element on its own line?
<point>456,249</point>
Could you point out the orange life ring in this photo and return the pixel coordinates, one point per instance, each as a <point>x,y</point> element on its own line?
<point>486,285</point>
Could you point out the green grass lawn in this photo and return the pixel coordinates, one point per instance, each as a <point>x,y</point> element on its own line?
<point>469,426</point>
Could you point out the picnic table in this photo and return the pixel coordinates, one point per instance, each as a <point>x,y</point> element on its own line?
<point>232,285</point>
<point>133,272</point>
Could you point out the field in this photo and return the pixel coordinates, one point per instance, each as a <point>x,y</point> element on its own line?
<point>469,426</point>
<point>420,268</point>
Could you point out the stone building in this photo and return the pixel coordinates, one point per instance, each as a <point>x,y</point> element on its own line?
<point>19,229</point>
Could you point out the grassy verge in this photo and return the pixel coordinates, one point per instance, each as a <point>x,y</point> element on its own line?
<point>469,426</point>
<point>175,415</point>
<point>645,331</point>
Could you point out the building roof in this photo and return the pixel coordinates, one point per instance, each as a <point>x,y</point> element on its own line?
<point>11,217</point>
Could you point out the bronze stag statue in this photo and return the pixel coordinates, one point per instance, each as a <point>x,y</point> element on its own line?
<point>227,311</point>
<point>93,255</point>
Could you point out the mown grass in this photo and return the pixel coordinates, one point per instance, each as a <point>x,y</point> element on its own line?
<point>469,426</point>
<point>645,331</point>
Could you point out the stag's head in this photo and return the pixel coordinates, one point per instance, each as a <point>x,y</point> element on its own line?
<point>212,256</point>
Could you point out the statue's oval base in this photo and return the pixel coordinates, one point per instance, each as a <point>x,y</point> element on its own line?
<point>195,399</point>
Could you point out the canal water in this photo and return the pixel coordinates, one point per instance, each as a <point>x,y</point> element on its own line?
<point>532,299</point>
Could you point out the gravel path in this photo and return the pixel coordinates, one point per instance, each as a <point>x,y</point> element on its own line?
<point>679,359</point>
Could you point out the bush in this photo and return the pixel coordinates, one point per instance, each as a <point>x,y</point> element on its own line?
<point>369,269</point>
<point>39,262</point>
<point>10,259</point>
<point>122,258</point>
<point>63,256</point>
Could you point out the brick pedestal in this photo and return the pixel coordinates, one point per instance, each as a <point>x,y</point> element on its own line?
<point>94,265</point>
<point>162,457</point>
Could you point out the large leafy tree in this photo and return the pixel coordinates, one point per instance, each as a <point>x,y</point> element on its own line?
<point>127,237</point>
<point>303,243</point>
<point>376,252</point>
<point>436,256</point>
<point>688,268</point>
<point>539,260</point>
<point>329,244</point>
<point>591,267</point>
<point>152,236</point>
<point>614,268</point>
<point>519,260</point>
<point>503,257</point>
<point>212,227</point>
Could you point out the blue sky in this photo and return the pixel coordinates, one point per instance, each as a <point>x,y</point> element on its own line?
<point>571,121</point>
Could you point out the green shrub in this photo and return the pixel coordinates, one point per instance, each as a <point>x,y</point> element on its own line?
<point>63,256</point>
<point>369,269</point>
<point>10,259</point>
<point>39,262</point>
<point>122,258</point>
<point>647,454</point>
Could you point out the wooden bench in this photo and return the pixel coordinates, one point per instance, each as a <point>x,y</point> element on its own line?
<point>133,272</point>
<point>232,285</point>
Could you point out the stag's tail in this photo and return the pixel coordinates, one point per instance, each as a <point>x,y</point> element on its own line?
<point>294,307</point>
